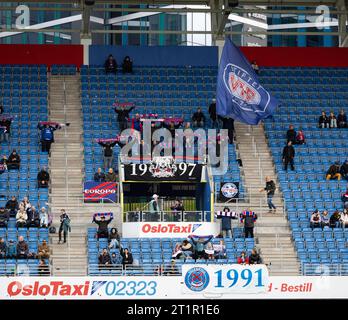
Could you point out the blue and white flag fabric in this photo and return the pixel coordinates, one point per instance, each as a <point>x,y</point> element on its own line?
<point>239,95</point>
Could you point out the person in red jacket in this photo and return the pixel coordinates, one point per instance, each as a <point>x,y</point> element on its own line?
<point>243,259</point>
<point>300,138</point>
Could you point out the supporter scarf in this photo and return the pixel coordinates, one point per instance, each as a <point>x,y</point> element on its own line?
<point>229,214</point>
<point>109,215</point>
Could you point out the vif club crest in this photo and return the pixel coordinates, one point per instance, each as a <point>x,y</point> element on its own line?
<point>163,167</point>
<point>229,190</point>
<point>248,94</point>
<point>197,279</point>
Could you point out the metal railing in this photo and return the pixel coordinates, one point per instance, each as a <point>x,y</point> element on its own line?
<point>167,216</point>
<point>240,204</point>
<point>327,269</point>
<point>24,270</point>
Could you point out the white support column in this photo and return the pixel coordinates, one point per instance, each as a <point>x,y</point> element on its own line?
<point>86,42</point>
<point>220,44</point>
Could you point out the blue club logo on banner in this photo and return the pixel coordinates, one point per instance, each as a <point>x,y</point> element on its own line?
<point>197,279</point>
<point>229,190</point>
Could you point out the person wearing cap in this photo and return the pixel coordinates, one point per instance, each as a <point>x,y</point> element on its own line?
<point>43,250</point>
<point>344,170</point>
<point>154,208</point>
<point>334,171</point>
<point>11,250</point>
<point>212,113</point>
<point>226,227</point>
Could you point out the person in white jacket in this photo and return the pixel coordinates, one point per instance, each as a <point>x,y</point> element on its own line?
<point>344,219</point>
<point>21,218</point>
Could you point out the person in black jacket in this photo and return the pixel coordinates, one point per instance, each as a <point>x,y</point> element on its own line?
<point>344,170</point>
<point>288,156</point>
<point>13,161</point>
<point>127,257</point>
<point>110,65</point>
<point>198,118</point>
<point>12,206</point>
<point>334,171</point>
<point>228,123</point>
<point>33,217</point>
<point>212,113</point>
<point>291,134</point>
<point>255,258</point>
<point>324,121</point>
<point>43,178</point>
<point>99,176</point>
<point>102,223</point>
<point>3,248</point>
<point>108,153</point>
<point>127,65</point>
<point>4,217</point>
<point>123,116</point>
<point>248,217</point>
<point>6,123</point>
<point>270,189</point>
<point>104,259</point>
<point>64,226</point>
<point>342,119</point>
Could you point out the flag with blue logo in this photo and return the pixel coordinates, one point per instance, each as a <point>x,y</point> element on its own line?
<point>239,95</point>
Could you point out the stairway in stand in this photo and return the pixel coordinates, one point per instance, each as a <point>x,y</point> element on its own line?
<point>272,231</point>
<point>66,164</point>
<point>67,175</point>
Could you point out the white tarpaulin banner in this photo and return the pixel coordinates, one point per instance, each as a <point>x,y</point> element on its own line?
<point>222,279</point>
<point>168,229</point>
<point>104,288</point>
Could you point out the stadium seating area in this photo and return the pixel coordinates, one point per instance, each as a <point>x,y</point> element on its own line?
<point>23,90</point>
<point>23,93</point>
<point>304,93</point>
<point>33,236</point>
<point>149,254</point>
<point>173,91</point>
